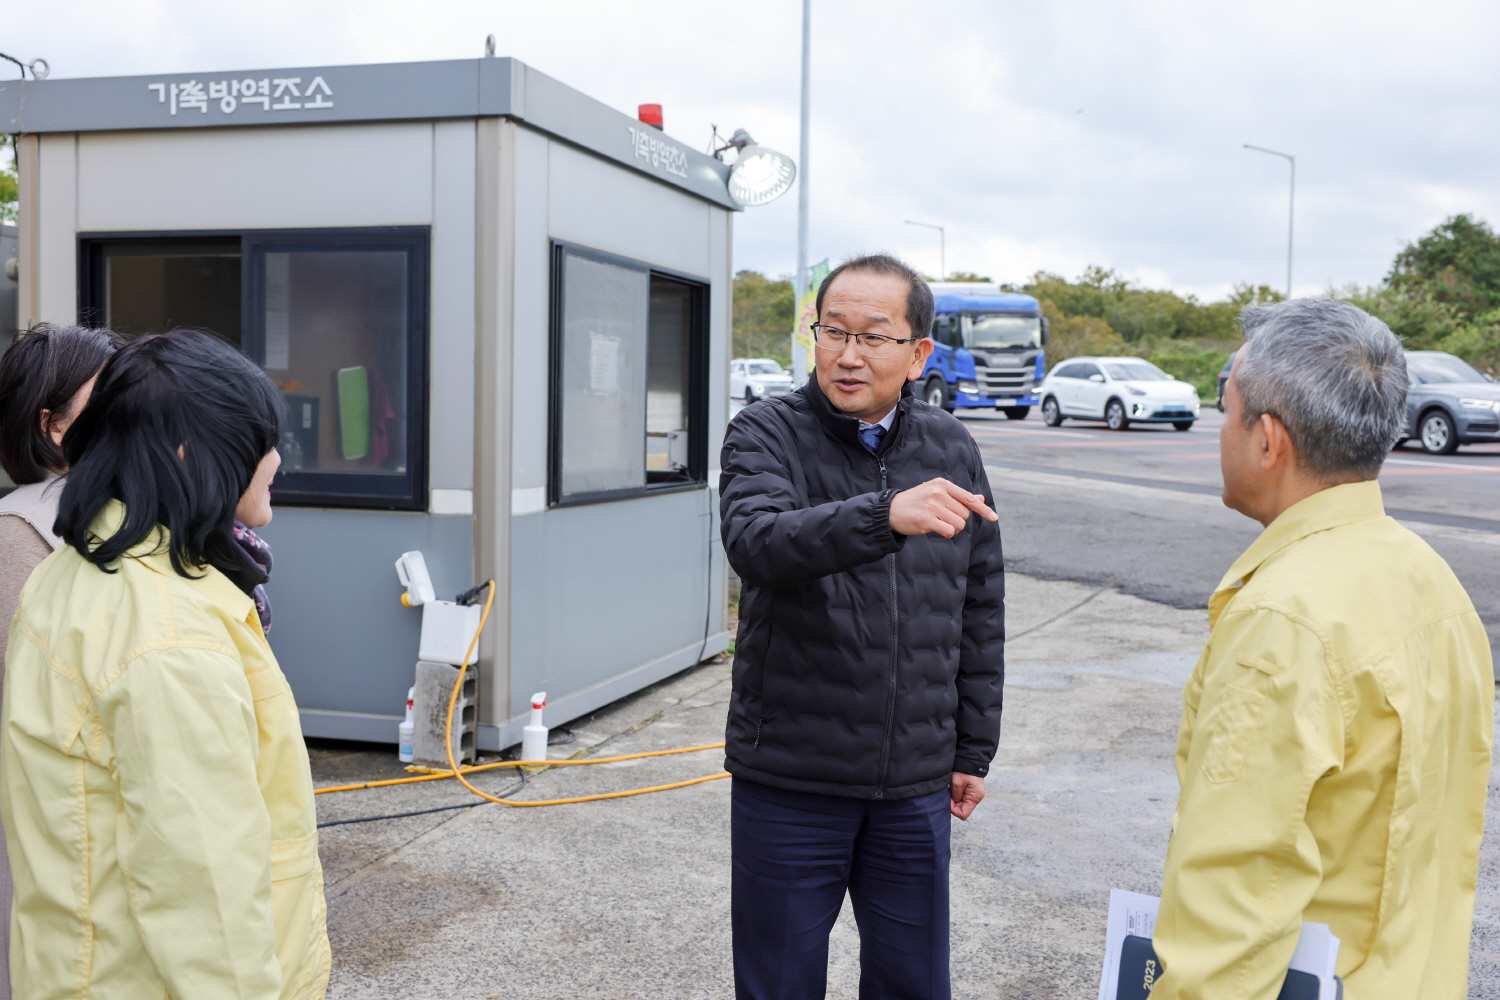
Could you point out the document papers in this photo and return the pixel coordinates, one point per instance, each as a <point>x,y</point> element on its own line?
<point>1131,966</point>
<point>1131,914</point>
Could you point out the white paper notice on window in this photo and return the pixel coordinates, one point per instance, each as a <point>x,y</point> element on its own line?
<point>604,364</point>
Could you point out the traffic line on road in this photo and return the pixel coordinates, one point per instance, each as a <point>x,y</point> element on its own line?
<point>1443,465</point>
<point>1451,532</point>
<point>1001,476</point>
<point>1023,431</point>
<point>1129,443</point>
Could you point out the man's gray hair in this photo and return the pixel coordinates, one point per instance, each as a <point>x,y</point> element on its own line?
<point>1333,374</point>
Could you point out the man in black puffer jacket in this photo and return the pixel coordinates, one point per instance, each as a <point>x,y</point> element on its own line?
<point>869,664</point>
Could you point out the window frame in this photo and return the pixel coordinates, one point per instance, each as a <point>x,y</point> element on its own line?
<point>698,380</point>
<point>412,493</point>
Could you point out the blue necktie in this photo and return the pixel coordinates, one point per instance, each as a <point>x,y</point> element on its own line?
<point>870,437</point>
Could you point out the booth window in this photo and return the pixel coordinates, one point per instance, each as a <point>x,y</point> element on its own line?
<point>629,378</point>
<point>338,319</point>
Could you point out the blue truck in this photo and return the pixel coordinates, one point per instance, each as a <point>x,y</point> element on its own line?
<point>988,349</point>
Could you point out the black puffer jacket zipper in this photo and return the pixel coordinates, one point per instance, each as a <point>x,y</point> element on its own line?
<point>890,706</point>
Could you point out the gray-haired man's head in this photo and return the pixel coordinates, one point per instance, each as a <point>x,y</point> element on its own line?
<point>1334,375</point>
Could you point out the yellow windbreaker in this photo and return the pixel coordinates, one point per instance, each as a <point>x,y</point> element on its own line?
<point>155,791</point>
<point>1334,757</point>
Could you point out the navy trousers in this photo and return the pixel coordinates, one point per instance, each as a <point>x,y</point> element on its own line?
<point>796,854</point>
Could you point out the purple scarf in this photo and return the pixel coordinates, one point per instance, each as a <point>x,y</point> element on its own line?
<point>260,553</point>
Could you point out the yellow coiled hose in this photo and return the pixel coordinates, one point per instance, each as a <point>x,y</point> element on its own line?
<point>457,772</point>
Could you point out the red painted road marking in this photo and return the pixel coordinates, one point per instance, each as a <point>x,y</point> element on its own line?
<point>1134,443</point>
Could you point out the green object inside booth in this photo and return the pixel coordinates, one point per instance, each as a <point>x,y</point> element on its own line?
<point>354,412</point>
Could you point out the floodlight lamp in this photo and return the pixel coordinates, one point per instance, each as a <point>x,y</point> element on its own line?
<point>759,175</point>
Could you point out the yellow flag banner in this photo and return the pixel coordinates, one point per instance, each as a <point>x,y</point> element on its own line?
<point>807,315</point>
<point>807,307</point>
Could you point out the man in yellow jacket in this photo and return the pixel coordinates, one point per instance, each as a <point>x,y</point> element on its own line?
<point>1334,753</point>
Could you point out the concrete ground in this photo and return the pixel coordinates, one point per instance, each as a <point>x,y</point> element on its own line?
<point>630,897</point>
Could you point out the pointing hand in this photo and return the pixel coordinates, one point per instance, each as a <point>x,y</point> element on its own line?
<point>937,505</point>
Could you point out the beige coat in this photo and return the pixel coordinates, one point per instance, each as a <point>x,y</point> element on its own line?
<point>26,538</point>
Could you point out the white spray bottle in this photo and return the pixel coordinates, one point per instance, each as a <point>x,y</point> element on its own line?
<point>534,736</point>
<point>408,728</point>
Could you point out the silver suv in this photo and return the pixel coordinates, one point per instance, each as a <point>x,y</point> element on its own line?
<point>1450,403</point>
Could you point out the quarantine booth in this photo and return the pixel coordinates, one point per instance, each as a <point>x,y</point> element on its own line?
<point>492,306</point>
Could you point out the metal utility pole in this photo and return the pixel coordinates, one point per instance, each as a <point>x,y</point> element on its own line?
<point>942,247</point>
<point>1291,206</point>
<point>799,353</point>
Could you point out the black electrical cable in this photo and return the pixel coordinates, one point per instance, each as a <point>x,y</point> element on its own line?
<point>418,812</point>
<point>423,812</point>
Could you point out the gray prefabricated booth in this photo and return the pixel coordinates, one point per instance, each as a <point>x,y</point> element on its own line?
<point>498,311</point>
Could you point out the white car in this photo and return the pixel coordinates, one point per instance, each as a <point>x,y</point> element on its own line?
<point>756,378</point>
<point>1119,391</point>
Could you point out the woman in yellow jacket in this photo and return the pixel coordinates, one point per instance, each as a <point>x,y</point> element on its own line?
<point>154,785</point>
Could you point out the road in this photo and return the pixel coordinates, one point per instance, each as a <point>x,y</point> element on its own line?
<point>1139,510</point>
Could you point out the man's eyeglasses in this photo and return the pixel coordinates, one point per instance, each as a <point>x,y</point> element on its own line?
<point>871,345</point>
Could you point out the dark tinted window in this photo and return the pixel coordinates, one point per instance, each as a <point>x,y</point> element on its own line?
<point>1440,368</point>
<point>669,351</point>
<point>335,326</point>
<point>152,286</point>
<point>1136,371</point>
<point>337,318</point>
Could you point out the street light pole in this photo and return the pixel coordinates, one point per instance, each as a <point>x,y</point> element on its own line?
<point>942,247</point>
<point>1291,206</point>
<point>799,353</point>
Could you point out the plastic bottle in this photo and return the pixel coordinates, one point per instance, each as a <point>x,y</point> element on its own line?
<point>534,736</point>
<point>408,727</point>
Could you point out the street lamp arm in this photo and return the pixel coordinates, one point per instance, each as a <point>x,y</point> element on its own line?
<point>1262,149</point>
<point>942,246</point>
<point>1291,207</point>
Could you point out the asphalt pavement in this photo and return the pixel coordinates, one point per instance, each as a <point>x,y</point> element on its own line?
<point>1139,510</point>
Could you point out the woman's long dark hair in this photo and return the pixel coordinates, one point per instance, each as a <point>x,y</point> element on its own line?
<point>43,369</point>
<point>181,390</point>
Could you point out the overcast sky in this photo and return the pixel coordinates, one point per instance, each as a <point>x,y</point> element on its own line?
<point>1042,136</point>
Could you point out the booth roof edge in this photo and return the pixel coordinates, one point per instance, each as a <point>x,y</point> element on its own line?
<point>371,92</point>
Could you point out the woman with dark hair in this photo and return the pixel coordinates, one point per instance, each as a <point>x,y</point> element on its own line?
<point>46,376</point>
<point>153,779</point>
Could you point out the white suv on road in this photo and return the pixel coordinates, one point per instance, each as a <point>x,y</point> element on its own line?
<point>756,378</point>
<point>1119,391</point>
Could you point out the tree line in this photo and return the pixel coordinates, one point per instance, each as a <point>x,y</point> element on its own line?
<point>1442,293</point>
